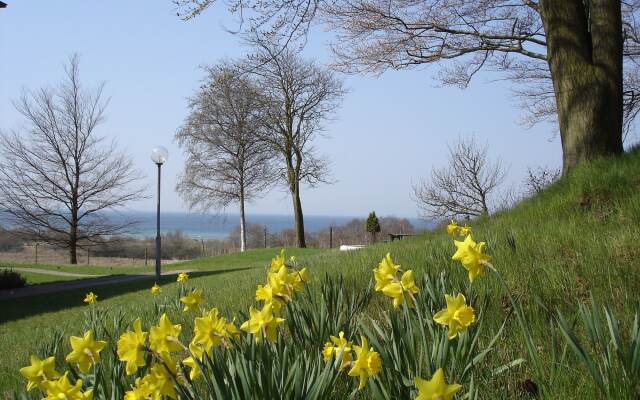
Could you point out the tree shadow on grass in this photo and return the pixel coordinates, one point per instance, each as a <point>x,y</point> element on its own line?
<point>24,307</point>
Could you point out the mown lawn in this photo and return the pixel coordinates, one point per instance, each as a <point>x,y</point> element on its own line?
<point>575,240</point>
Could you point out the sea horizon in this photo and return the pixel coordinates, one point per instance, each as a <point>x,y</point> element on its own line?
<point>219,226</point>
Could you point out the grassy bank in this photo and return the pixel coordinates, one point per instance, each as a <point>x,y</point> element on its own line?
<point>575,240</point>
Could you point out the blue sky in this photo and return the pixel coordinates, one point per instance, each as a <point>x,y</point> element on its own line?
<point>389,132</point>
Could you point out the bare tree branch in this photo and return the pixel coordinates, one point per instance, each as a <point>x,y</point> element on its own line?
<point>538,179</point>
<point>465,187</point>
<point>462,36</point>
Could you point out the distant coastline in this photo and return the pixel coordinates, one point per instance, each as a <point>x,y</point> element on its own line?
<point>205,226</point>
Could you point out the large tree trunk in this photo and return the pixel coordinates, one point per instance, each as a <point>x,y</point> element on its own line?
<point>299,218</point>
<point>243,228</point>
<point>584,50</point>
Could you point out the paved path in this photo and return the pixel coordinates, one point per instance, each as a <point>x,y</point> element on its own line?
<point>52,272</point>
<point>88,283</point>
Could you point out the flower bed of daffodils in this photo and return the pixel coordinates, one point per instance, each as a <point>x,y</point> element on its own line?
<point>156,363</point>
<point>303,340</point>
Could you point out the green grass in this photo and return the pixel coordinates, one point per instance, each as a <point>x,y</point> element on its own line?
<point>77,269</point>
<point>576,239</point>
<point>252,258</point>
<point>36,278</point>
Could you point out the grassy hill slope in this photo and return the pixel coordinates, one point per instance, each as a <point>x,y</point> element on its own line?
<point>576,239</point>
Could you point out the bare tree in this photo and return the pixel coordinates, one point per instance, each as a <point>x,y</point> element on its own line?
<point>465,187</point>
<point>539,178</point>
<point>300,98</point>
<point>58,177</point>
<point>227,162</point>
<point>569,54</point>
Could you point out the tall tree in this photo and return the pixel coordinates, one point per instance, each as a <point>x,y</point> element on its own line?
<point>226,162</point>
<point>569,54</point>
<point>58,177</point>
<point>300,97</point>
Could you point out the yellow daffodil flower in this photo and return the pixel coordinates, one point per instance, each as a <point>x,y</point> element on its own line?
<point>452,228</point>
<point>436,388</point>
<point>164,337</point>
<point>194,369</point>
<point>457,316</point>
<point>338,347</point>
<point>90,298</point>
<point>156,289</point>
<point>282,283</point>
<point>131,348</point>
<point>182,277</point>
<point>193,300</point>
<point>212,330</point>
<point>367,363</point>
<point>277,291</point>
<point>269,296</point>
<point>470,254</point>
<point>63,389</point>
<point>192,363</point>
<point>262,323</point>
<point>160,377</point>
<point>85,351</point>
<point>39,371</point>
<point>278,262</point>
<point>465,230</point>
<point>140,391</point>
<point>400,290</point>
<point>394,290</point>
<point>385,273</point>
<point>297,279</point>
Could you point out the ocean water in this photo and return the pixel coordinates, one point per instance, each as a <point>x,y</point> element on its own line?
<point>219,226</point>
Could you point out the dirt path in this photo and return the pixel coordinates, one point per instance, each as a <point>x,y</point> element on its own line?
<point>88,283</point>
<point>52,272</point>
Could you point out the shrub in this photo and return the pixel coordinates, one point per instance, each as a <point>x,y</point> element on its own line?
<point>373,225</point>
<point>10,279</point>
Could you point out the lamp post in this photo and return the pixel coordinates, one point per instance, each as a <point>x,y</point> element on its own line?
<point>159,155</point>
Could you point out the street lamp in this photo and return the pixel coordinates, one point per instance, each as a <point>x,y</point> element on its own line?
<point>159,155</point>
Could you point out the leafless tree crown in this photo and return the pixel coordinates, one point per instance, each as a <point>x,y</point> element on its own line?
<point>301,97</point>
<point>225,159</point>
<point>57,177</point>
<point>464,188</point>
